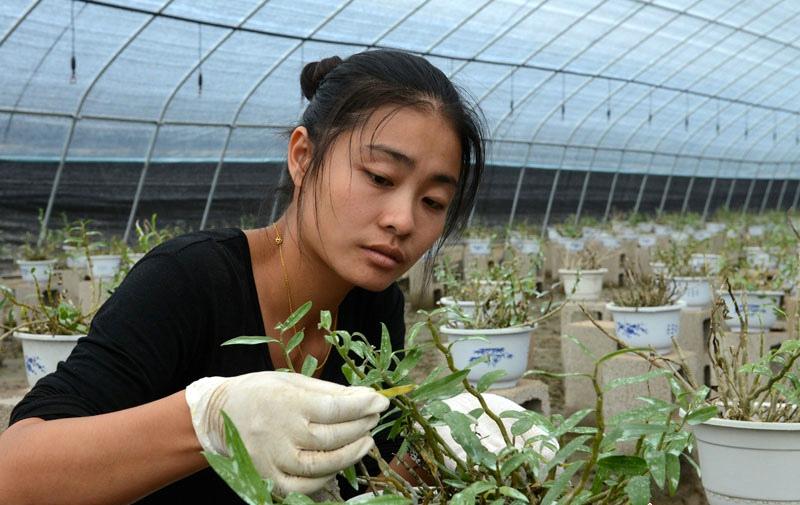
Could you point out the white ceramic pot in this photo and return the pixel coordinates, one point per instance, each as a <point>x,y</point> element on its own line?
<point>466,308</point>
<point>760,311</point>
<point>744,462</point>
<point>609,242</point>
<point>647,241</point>
<point>715,227</point>
<point>756,230</point>
<point>582,284</point>
<point>647,326</point>
<point>680,237</point>
<point>552,234</point>
<point>759,258</point>
<point>42,353</point>
<point>105,266</point>
<point>479,246</point>
<point>525,245</point>
<point>662,230</point>
<point>645,227</point>
<point>702,235</point>
<point>711,262</point>
<point>507,349</point>
<point>39,270</point>
<point>694,291</point>
<point>573,244</point>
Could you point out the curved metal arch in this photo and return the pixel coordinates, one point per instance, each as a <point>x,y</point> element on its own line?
<point>35,71</point>
<point>633,106</point>
<point>740,29</point>
<point>257,85</point>
<point>165,107</point>
<point>495,38</point>
<point>579,124</point>
<point>564,65</point>
<point>19,21</point>
<point>536,51</point>
<point>667,132</point>
<point>730,123</point>
<point>68,141</point>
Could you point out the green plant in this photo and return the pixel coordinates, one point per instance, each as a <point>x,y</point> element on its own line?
<point>480,231</point>
<point>86,241</point>
<point>569,229</point>
<point>587,258</point>
<point>642,290</point>
<point>52,313</point>
<point>34,250</point>
<point>586,466</point>
<point>677,259</point>
<point>149,235</point>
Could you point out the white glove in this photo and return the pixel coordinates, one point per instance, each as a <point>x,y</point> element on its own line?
<point>488,431</point>
<point>299,431</point>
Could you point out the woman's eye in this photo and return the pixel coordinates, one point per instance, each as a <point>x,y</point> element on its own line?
<point>433,204</point>
<point>379,180</point>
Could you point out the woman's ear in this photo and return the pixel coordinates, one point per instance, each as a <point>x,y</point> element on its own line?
<point>299,154</point>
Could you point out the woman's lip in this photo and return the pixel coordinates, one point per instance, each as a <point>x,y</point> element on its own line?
<point>380,259</point>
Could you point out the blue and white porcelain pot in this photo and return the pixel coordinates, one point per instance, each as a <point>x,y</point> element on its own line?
<point>42,353</point>
<point>478,246</point>
<point>694,291</point>
<point>500,349</point>
<point>648,326</point>
<point>760,309</point>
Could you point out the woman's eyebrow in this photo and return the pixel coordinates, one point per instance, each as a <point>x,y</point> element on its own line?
<point>408,162</point>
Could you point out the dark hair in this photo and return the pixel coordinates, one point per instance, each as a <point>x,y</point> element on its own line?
<point>343,94</point>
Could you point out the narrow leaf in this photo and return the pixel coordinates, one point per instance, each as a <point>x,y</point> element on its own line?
<point>638,490</point>
<point>309,366</point>
<point>294,318</point>
<point>489,378</point>
<point>251,341</point>
<point>295,341</point>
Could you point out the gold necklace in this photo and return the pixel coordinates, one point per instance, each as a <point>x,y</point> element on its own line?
<point>279,243</point>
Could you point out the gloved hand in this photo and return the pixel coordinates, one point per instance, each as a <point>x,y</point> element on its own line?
<point>488,431</point>
<point>299,431</point>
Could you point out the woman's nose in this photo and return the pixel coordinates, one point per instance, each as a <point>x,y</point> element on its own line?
<point>398,216</point>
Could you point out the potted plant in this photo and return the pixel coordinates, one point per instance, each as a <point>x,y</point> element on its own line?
<point>149,235</point>
<point>37,261</point>
<point>48,328</point>
<point>100,259</point>
<point>543,460</point>
<point>646,311</point>
<point>756,293</point>
<point>524,238</point>
<point>478,240</point>
<point>692,284</point>
<point>493,332</point>
<point>582,275</point>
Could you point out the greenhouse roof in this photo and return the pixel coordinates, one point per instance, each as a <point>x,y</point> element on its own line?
<point>688,87</point>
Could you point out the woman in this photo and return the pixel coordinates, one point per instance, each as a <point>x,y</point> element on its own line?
<point>385,165</point>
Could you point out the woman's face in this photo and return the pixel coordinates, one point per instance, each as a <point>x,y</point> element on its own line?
<point>382,194</point>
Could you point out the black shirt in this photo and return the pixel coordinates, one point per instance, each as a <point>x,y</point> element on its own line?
<point>162,329</point>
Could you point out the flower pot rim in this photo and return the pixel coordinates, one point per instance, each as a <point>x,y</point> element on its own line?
<point>23,335</point>
<point>661,308</point>
<point>587,271</point>
<point>105,256</point>
<point>758,292</point>
<point>453,301</point>
<point>486,331</point>
<point>52,261</point>
<point>751,425</point>
<point>690,278</point>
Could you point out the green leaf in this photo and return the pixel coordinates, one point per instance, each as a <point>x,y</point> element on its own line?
<point>657,463</point>
<point>408,363</point>
<point>349,473</point>
<point>445,387</point>
<point>673,465</point>
<point>512,493</point>
<point>638,490</point>
<point>294,318</point>
<point>511,464</point>
<point>309,366</point>
<point>386,348</point>
<point>251,341</point>
<point>626,350</point>
<point>624,465</point>
<point>238,470</point>
<point>468,495</point>
<point>385,499</point>
<point>461,430</point>
<point>567,451</point>
<point>701,415</point>
<point>297,499</point>
<point>295,341</point>
<point>411,335</point>
<point>325,322</point>
<point>488,379</point>
<point>561,482</point>
<point>626,381</point>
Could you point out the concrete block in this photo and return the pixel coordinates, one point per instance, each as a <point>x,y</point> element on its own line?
<point>530,393</point>
<point>692,338</point>
<point>579,392</point>
<point>790,307</point>
<point>571,311</point>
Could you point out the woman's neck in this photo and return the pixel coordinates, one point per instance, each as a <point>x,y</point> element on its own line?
<point>286,269</point>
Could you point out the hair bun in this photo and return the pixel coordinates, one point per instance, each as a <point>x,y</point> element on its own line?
<point>313,74</point>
